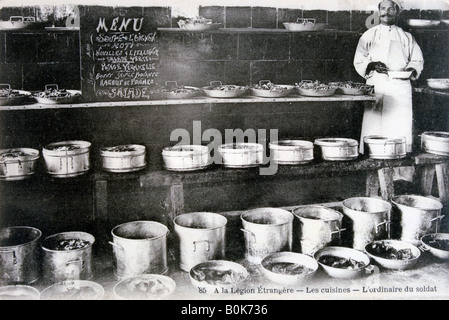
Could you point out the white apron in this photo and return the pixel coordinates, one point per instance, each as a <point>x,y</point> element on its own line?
<point>392,113</point>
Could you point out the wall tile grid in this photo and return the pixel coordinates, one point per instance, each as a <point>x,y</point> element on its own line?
<point>235,57</point>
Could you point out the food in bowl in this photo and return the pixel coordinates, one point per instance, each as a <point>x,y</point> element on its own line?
<point>64,147</point>
<point>288,268</point>
<point>271,87</point>
<point>341,262</point>
<point>440,244</point>
<point>216,276</point>
<point>382,250</point>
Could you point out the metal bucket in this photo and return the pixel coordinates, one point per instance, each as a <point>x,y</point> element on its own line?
<point>319,227</point>
<point>369,219</point>
<point>415,216</point>
<point>266,230</point>
<point>69,263</point>
<point>19,255</point>
<point>139,247</point>
<point>201,238</point>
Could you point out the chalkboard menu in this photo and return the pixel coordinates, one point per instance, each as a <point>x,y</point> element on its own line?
<point>119,53</point>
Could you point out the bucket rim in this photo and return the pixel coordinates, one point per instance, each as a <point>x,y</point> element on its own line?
<point>393,200</point>
<point>340,215</point>
<point>177,225</point>
<point>22,244</point>
<point>291,217</point>
<point>67,251</point>
<point>370,199</point>
<point>140,240</point>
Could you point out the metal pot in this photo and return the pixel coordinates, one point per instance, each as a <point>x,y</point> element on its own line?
<point>70,263</point>
<point>319,227</point>
<point>381,147</point>
<point>346,253</point>
<point>74,290</point>
<point>20,255</point>
<point>338,149</point>
<point>370,220</point>
<point>145,287</point>
<point>241,155</point>
<point>315,89</point>
<point>289,258</point>
<point>438,84</point>
<point>267,89</point>
<point>435,142</point>
<point>67,159</point>
<point>352,88</point>
<point>201,237</point>
<point>291,152</point>
<point>53,95</point>
<point>12,97</point>
<point>17,163</point>
<point>186,157</point>
<point>218,90</point>
<point>428,242</point>
<point>19,292</point>
<point>266,230</point>
<point>173,91</point>
<point>139,247</point>
<point>124,158</point>
<point>212,267</point>
<point>304,25</point>
<point>415,216</point>
<point>392,264</point>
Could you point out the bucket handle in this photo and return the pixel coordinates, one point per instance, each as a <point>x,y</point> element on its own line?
<point>338,231</point>
<point>14,257</point>
<point>250,233</point>
<point>435,219</point>
<point>387,223</point>
<point>195,242</point>
<point>116,245</point>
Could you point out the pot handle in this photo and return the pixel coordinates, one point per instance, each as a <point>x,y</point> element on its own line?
<point>71,271</point>
<point>5,86</point>
<point>423,248</point>
<point>215,83</point>
<point>116,245</point>
<point>370,269</point>
<point>14,257</point>
<point>51,86</point>
<point>250,233</point>
<point>435,219</point>
<point>195,242</point>
<point>386,223</point>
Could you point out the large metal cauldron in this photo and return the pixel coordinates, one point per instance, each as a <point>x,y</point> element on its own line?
<point>266,230</point>
<point>415,216</point>
<point>19,255</point>
<point>201,237</point>
<point>139,247</point>
<point>369,219</point>
<point>69,263</point>
<point>319,227</point>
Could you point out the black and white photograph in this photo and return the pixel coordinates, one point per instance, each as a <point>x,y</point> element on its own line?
<point>223,150</point>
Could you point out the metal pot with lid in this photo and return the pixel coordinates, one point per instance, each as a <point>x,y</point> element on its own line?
<point>435,142</point>
<point>67,158</point>
<point>382,147</point>
<point>18,163</point>
<point>338,149</point>
<point>123,158</point>
<point>291,152</point>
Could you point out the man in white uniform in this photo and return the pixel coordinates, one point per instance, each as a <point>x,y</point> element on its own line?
<point>384,48</point>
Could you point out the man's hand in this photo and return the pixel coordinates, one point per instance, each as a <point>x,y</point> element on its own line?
<point>376,66</point>
<point>414,72</point>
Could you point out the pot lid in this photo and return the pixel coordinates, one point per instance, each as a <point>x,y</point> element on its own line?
<point>436,135</point>
<point>123,149</point>
<point>336,142</point>
<point>20,154</point>
<point>383,139</point>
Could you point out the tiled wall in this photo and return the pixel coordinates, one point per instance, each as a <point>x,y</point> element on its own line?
<point>29,60</point>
